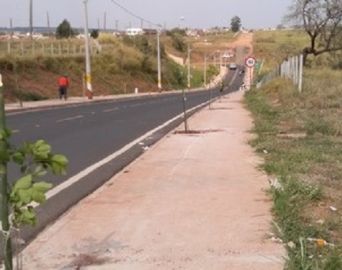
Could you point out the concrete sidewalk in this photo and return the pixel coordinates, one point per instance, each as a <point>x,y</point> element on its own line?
<point>193,201</point>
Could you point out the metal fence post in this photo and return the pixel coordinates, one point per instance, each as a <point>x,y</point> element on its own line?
<point>22,48</point>
<point>9,46</point>
<point>300,83</point>
<point>296,70</point>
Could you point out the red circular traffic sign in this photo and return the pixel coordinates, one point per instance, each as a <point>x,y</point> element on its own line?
<point>250,62</point>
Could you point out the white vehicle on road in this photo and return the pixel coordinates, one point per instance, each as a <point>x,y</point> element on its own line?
<point>232,66</point>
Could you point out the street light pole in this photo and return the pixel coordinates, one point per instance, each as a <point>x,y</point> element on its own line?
<point>159,61</point>
<point>87,54</point>
<point>205,70</point>
<point>189,67</point>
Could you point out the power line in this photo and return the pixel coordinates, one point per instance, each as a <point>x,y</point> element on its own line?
<point>133,14</point>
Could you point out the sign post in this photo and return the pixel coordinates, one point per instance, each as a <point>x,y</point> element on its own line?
<point>250,63</point>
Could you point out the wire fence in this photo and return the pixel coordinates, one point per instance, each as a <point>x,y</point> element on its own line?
<point>291,68</point>
<point>26,48</point>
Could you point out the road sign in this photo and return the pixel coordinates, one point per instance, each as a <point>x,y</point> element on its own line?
<point>250,62</point>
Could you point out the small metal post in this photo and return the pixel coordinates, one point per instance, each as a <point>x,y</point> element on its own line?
<point>159,61</point>
<point>184,111</point>
<point>210,98</point>
<point>9,46</point>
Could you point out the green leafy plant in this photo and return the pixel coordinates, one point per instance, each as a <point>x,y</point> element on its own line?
<point>35,160</point>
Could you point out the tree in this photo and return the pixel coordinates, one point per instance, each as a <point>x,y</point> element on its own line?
<point>95,33</point>
<point>64,30</point>
<point>322,21</point>
<point>235,24</point>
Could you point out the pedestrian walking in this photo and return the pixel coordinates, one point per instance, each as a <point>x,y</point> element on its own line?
<point>63,83</point>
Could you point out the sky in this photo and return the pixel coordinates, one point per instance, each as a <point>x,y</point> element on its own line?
<point>172,13</point>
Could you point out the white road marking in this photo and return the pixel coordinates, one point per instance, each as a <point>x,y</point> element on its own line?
<point>233,79</point>
<point>70,118</point>
<point>109,158</point>
<point>136,105</point>
<point>15,131</point>
<point>111,110</point>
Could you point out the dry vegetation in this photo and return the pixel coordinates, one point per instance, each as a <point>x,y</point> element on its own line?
<point>123,64</point>
<point>300,137</point>
<point>207,44</point>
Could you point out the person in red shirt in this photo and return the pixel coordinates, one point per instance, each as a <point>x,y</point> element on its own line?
<point>63,83</point>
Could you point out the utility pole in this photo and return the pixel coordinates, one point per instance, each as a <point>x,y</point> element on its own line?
<point>117,25</point>
<point>105,21</point>
<point>87,53</point>
<point>159,61</point>
<point>48,22</point>
<point>31,19</point>
<point>189,67</point>
<point>141,23</point>
<point>98,24</point>
<point>11,28</point>
<point>205,65</point>
<point>205,70</point>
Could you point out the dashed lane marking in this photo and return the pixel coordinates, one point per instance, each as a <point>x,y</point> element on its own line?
<point>70,118</point>
<point>109,158</point>
<point>111,110</point>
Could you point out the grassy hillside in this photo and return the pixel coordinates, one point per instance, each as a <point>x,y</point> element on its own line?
<point>177,44</point>
<point>300,138</point>
<point>122,65</point>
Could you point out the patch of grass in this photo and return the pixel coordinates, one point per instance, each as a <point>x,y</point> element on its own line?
<point>308,167</point>
<point>274,46</point>
<point>28,96</point>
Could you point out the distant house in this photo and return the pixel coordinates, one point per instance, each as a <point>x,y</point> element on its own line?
<point>228,54</point>
<point>134,32</point>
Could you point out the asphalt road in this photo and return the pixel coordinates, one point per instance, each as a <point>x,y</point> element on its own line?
<point>87,133</point>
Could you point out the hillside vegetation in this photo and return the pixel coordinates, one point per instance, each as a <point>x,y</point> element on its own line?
<point>118,66</point>
<point>300,138</point>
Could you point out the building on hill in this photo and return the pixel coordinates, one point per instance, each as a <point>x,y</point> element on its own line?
<point>134,32</point>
